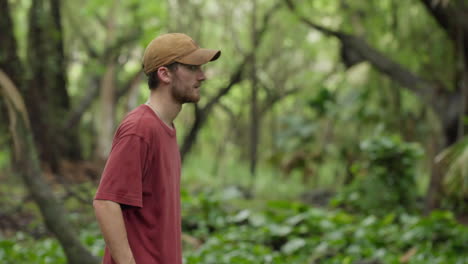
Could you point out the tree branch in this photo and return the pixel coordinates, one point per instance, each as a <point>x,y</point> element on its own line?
<point>237,76</point>
<point>364,51</point>
<point>75,115</point>
<point>91,51</point>
<point>275,98</point>
<point>135,79</point>
<point>202,113</point>
<point>451,18</point>
<point>91,94</point>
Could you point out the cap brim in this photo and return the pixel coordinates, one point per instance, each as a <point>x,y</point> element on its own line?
<point>200,56</point>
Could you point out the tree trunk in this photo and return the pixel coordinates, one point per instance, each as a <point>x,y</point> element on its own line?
<point>201,114</point>
<point>26,164</point>
<point>191,136</point>
<point>45,90</point>
<point>10,63</point>
<point>434,190</point>
<point>107,113</point>
<point>69,147</point>
<point>453,19</point>
<point>133,92</point>
<point>254,113</point>
<point>24,157</point>
<point>9,60</point>
<point>106,117</point>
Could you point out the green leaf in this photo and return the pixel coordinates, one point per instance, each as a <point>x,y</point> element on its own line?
<point>293,245</point>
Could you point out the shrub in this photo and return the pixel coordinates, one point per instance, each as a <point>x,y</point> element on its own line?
<point>385,180</point>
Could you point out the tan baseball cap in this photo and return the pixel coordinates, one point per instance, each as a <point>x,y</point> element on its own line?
<point>175,47</point>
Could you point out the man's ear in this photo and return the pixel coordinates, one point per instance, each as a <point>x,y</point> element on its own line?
<point>164,74</point>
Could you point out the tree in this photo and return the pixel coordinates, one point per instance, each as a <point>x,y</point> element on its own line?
<point>201,113</point>
<point>448,104</point>
<point>46,101</point>
<point>104,60</point>
<point>45,89</point>
<point>26,164</point>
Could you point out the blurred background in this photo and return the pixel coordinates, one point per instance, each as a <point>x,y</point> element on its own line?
<point>329,131</point>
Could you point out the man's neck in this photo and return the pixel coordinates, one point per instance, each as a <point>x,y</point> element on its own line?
<point>164,106</point>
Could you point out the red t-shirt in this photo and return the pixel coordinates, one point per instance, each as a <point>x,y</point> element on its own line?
<point>142,174</point>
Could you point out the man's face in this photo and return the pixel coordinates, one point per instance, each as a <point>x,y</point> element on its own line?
<point>186,83</point>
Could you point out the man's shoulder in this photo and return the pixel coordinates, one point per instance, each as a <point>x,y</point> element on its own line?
<point>140,122</point>
<point>141,114</point>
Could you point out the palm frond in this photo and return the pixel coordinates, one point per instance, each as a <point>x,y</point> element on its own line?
<point>454,162</point>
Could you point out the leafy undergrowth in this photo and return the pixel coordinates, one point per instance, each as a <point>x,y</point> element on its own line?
<point>289,232</point>
<point>24,249</point>
<point>284,232</point>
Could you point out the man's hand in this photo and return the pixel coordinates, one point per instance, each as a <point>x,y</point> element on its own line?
<point>110,219</point>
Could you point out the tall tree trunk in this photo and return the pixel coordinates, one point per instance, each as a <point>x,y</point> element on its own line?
<point>452,17</point>
<point>69,146</point>
<point>26,164</point>
<point>434,190</point>
<point>133,92</point>
<point>107,113</point>
<point>190,138</point>
<point>106,118</point>
<point>10,63</point>
<point>37,87</point>
<point>24,157</point>
<point>201,113</point>
<point>254,113</point>
<point>45,90</point>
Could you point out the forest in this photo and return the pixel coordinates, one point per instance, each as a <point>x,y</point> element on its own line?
<point>329,131</point>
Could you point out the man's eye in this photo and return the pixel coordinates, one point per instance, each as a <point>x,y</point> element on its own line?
<point>193,67</point>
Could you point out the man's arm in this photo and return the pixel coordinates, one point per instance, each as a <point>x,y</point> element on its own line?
<point>110,219</point>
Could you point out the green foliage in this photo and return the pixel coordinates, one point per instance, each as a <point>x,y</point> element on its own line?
<point>202,214</point>
<point>454,160</point>
<point>288,232</point>
<point>386,178</point>
<point>45,251</point>
<point>321,101</point>
<point>25,249</point>
<point>283,232</point>
<point>345,107</point>
<point>4,158</point>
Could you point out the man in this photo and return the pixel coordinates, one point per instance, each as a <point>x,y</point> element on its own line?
<point>137,203</point>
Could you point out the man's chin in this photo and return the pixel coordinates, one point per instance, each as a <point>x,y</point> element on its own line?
<point>191,100</point>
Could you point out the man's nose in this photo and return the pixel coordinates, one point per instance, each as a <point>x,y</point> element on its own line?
<point>201,76</point>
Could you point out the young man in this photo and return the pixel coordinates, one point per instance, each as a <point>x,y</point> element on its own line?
<point>137,203</point>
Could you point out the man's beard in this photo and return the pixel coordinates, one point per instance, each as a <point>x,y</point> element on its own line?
<point>184,94</point>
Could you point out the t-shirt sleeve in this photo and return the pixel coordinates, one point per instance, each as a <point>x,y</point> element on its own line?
<point>122,178</point>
